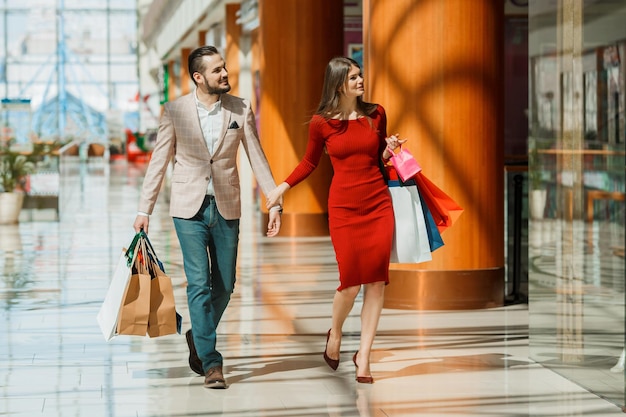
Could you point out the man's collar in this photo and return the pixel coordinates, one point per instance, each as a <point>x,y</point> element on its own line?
<point>216,106</point>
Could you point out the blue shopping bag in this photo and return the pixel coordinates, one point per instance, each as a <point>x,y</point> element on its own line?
<point>434,237</point>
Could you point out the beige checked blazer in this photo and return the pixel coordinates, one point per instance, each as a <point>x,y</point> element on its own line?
<point>180,137</point>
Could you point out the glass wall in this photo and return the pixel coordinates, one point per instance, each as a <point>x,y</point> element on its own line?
<point>577,170</point>
<point>74,62</point>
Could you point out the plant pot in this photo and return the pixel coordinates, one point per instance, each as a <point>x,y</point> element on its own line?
<point>537,203</point>
<point>10,207</point>
<point>10,238</point>
<point>96,149</point>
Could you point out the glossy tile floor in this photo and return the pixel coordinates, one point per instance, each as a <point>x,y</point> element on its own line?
<point>55,362</point>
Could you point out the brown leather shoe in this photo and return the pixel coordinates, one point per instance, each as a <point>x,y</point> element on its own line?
<point>214,378</point>
<point>194,361</point>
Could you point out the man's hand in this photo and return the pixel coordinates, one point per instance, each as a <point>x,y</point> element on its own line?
<point>273,226</point>
<point>141,222</point>
<point>276,195</point>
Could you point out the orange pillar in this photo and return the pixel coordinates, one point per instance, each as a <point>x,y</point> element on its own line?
<point>255,69</point>
<point>436,66</point>
<point>185,77</point>
<point>233,35</point>
<point>202,37</point>
<point>173,77</point>
<point>298,39</point>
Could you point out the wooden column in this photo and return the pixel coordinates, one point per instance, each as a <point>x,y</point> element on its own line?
<point>171,87</point>
<point>202,38</point>
<point>298,39</point>
<point>436,66</point>
<point>185,77</point>
<point>255,71</point>
<point>233,35</point>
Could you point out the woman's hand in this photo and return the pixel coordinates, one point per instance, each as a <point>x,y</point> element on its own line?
<point>276,195</point>
<point>393,142</point>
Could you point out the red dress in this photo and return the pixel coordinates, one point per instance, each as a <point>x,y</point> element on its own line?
<point>360,214</point>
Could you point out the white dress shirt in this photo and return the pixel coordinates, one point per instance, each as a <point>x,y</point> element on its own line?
<point>211,125</point>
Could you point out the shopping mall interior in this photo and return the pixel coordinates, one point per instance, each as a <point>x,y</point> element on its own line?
<point>513,108</point>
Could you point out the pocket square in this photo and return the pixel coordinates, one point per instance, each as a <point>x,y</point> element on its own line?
<point>233,125</point>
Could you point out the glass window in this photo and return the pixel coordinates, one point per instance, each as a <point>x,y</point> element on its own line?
<point>79,71</point>
<point>576,234</point>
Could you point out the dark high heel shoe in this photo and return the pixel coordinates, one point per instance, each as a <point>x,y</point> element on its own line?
<point>333,363</point>
<point>361,379</point>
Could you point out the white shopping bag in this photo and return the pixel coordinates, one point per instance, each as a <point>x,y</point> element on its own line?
<point>410,240</point>
<point>110,309</point>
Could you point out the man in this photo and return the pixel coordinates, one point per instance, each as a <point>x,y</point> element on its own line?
<point>202,132</point>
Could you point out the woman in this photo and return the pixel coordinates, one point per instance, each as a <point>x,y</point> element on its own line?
<point>354,133</point>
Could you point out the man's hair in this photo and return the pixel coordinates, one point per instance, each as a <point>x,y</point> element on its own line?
<point>195,61</point>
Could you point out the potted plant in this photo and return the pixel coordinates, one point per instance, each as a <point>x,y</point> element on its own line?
<point>14,168</point>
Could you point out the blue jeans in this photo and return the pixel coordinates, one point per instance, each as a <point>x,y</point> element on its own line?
<point>210,274</point>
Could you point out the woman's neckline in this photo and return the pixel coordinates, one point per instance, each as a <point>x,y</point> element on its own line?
<point>358,117</point>
<point>348,119</point>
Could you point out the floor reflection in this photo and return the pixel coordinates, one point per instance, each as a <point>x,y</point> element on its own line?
<point>577,308</point>
<point>55,362</point>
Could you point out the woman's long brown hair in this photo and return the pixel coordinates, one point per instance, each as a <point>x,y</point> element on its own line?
<point>335,77</point>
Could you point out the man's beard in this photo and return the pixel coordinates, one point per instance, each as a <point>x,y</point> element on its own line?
<point>217,90</point>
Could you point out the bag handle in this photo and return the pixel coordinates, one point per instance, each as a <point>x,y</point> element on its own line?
<point>140,237</point>
<point>131,251</point>
<point>151,253</point>
<point>149,246</point>
<point>143,267</point>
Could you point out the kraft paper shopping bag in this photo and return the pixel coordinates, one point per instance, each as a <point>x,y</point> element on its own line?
<point>110,308</point>
<point>135,309</point>
<point>164,319</point>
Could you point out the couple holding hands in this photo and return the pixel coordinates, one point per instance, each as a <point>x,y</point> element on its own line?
<point>202,132</point>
